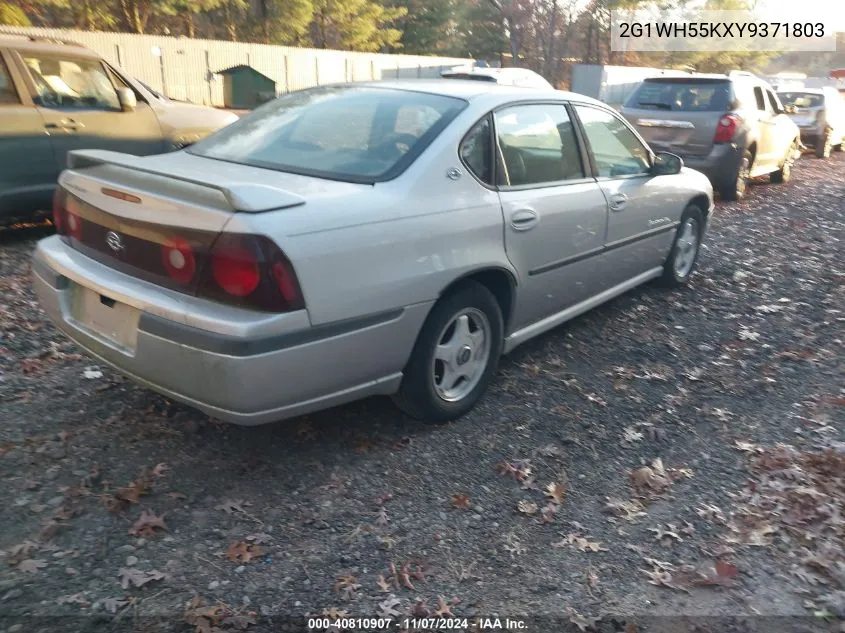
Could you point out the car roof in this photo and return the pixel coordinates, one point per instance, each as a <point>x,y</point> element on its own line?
<point>45,45</point>
<point>469,89</point>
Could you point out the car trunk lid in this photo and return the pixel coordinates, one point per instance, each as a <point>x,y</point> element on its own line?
<point>157,219</point>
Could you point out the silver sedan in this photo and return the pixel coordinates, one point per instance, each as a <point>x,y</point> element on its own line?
<point>385,238</point>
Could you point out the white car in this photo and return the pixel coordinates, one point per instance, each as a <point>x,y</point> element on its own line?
<point>519,77</point>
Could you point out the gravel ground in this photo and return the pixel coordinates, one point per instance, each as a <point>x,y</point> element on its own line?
<point>624,472</point>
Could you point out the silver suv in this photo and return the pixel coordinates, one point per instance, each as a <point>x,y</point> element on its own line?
<point>730,127</point>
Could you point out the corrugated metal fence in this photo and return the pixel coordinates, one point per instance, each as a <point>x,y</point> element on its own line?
<point>185,68</point>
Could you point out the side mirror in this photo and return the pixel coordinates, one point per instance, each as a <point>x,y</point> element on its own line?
<point>666,164</point>
<point>790,109</point>
<point>127,99</point>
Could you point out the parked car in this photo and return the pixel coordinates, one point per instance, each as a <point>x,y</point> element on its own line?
<point>730,127</point>
<point>820,115</point>
<point>364,239</point>
<point>521,77</point>
<point>56,97</point>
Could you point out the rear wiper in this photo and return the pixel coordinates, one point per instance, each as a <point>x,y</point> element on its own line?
<point>662,106</point>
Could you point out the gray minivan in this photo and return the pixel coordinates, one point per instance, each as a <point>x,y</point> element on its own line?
<point>730,127</point>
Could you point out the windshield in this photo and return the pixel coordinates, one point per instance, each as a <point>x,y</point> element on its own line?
<point>802,99</point>
<point>356,134</point>
<point>682,96</point>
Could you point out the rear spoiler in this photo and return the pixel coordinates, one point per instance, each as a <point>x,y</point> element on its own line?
<point>241,196</point>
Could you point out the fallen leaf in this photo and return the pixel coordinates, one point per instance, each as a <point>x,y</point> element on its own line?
<point>177,496</point>
<point>242,552</point>
<point>580,543</point>
<point>527,507</point>
<point>17,553</point>
<point>347,586</point>
<point>110,605</point>
<point>460,501</point>
<point>443,610</point>
<point>582,622</point>
<point>137,578</point>
<point>555,492</point>
<point>333,613</point>
<point>628,510</point>
<point>383,584</point>
<point>547,514</point>
<point>387,608</point>
<point>31,565</point>
<point>147,524</point>
<point>382,518</point>
<point>230,506</point>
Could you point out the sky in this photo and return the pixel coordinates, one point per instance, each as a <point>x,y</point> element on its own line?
<point>834,10</point>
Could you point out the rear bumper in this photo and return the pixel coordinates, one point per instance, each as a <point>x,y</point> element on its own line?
<point>241,377</point>
<point>721,165</point>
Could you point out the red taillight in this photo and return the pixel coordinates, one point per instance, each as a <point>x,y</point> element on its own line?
<point>72,220</point>
<point>235,270</point>
<point>250,270</point>
<point>726,128</point>
<point>178,259</point>
<point>59,210</point>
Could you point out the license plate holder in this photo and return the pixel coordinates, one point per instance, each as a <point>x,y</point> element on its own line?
<point>106,318</point>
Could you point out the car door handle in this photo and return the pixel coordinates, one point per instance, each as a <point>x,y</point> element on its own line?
<point>524,219</point>
<point>618,202</point>
<point>69,125</point>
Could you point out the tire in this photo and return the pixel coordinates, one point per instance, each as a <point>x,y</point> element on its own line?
<point>683,257</point>
<point>467,325</point>
<point>736,190</point>
<point>784,174</point>
<point>825,146</point>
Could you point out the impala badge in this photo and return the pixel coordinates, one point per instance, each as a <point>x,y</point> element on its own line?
<point>114,242</point>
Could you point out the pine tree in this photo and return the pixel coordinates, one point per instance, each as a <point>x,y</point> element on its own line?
<point>358,25</point>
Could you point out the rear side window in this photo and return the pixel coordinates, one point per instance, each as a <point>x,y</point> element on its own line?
<point>681,96</point>
<point>802,99</point>
<point>8,94</point>
<point>477,151</point>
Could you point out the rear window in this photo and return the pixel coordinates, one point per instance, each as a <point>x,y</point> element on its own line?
<point>802,99</point>
<point>356,134</point>
<point>681,96</point>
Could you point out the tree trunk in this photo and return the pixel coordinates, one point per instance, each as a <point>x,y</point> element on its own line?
<point>551,62</point>
<point>190,27</point>
<point>231,25</point>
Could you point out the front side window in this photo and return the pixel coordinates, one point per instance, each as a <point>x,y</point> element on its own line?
<point>357,134</point>
<point>773,101</point>
<point>538,145</point>
<point>615,148</point>
<point>477,151</point>
<point>71,83</point>
<point>802,100</point>
<point>8,94</point>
